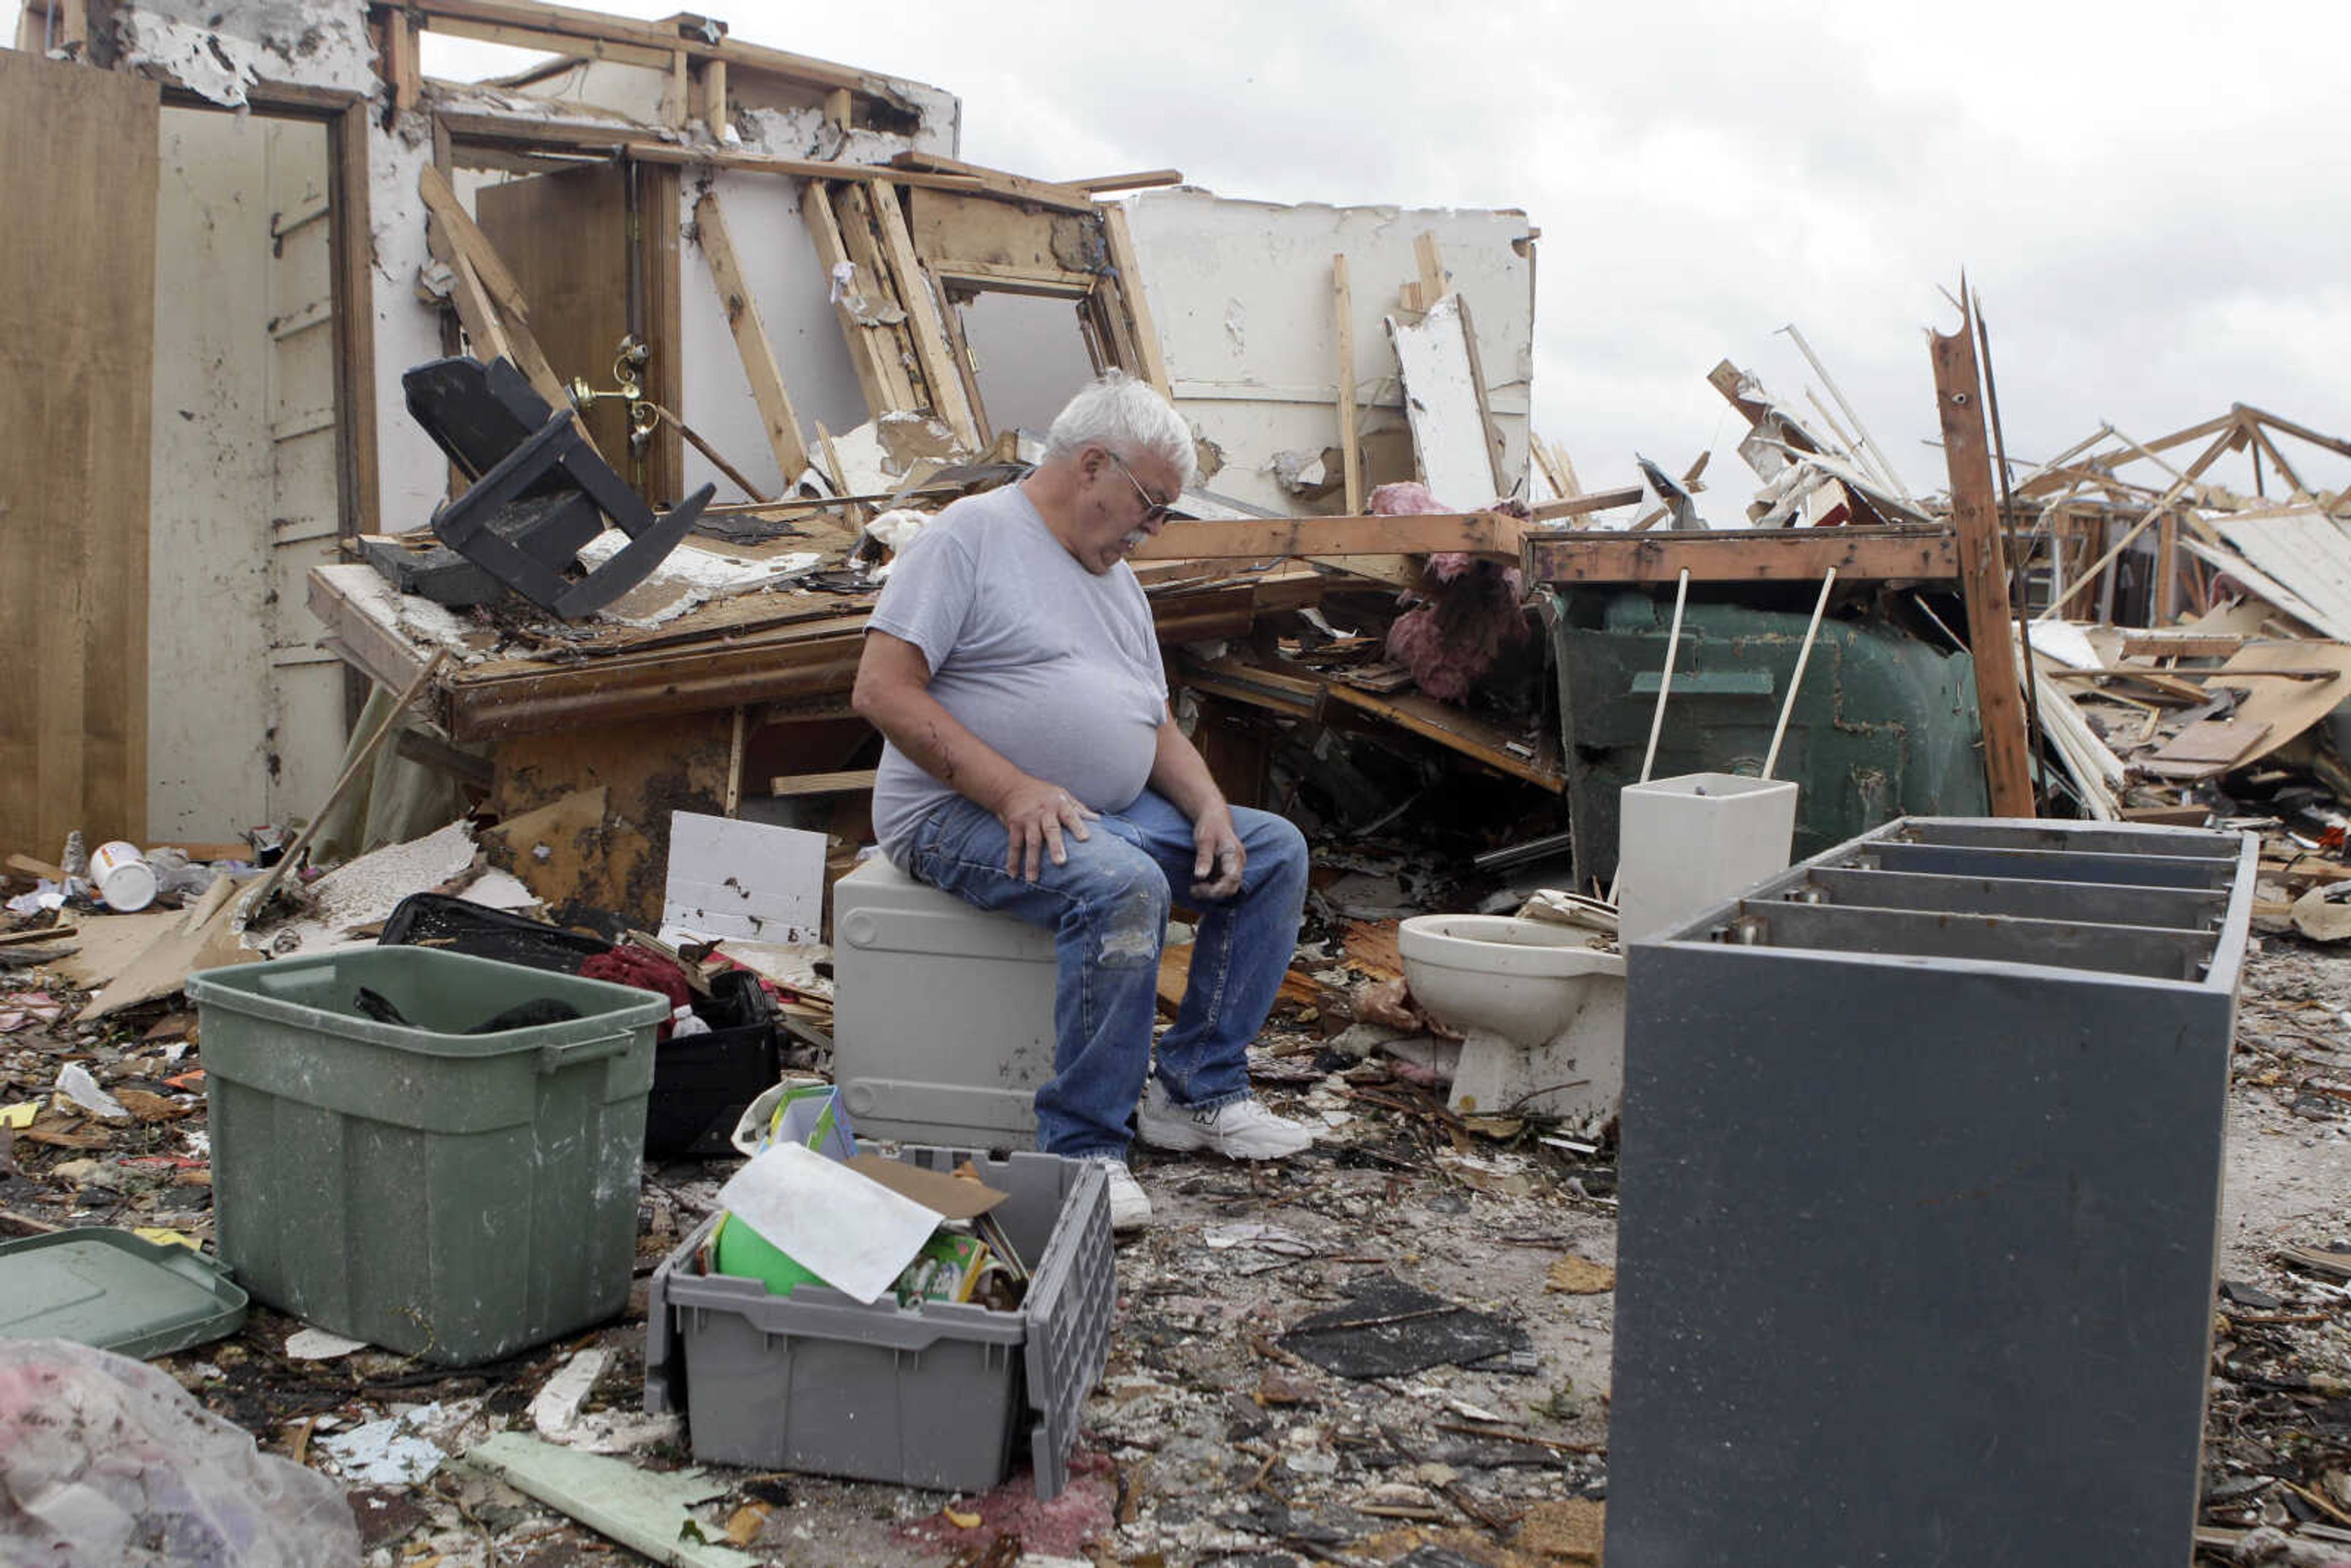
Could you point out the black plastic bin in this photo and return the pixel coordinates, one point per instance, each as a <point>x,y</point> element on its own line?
<point>701,1082</point>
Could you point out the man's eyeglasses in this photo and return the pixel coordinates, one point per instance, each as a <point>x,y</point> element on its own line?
<point>1152,511</point>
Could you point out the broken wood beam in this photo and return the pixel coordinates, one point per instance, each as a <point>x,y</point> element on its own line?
<point>1742,555</point>
<point>1129,269</point>
<point>872,344</point>
<point>765,163</point>
<point>1983,570</point>
<point>847,781</point>
<point>915,297</point>
<point>777,420</point>
<point>1045,193</point>
<point>1142,180</point>
<point>1480,533</point>
<point>1578,506</point>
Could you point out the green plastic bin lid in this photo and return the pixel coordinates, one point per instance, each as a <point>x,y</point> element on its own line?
<point>115,1290</point>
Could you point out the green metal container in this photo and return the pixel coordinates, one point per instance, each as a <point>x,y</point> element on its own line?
<point>1885,725</point>
<point>453,1195</point>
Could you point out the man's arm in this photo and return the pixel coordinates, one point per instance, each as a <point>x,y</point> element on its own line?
<point>893,694</point>
<point>1179,773</point>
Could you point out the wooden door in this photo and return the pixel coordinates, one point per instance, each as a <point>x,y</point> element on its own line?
<point>565,236</point>
<point>77,325</point>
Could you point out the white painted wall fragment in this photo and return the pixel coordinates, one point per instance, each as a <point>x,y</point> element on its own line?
<point>1241,294</point>
<point>1440,394</point>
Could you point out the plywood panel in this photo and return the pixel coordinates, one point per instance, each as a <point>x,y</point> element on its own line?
<point>75,376</point>
<point>565,238</point>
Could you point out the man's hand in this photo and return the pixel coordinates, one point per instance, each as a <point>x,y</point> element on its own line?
<point>1216,865</point>
<point>1035,815</point>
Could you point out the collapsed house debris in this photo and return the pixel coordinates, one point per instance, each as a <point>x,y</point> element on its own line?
<point>580,415</point>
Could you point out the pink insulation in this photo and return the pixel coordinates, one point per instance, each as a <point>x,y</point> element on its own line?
<point>1465,614</point>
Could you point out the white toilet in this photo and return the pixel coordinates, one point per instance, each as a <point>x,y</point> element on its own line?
<point>1543,1014</point>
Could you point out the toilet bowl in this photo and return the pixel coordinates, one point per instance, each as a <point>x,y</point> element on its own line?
<point>1542,1015</point>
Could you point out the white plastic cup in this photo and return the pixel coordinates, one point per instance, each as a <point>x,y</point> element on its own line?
<point>123,876</point>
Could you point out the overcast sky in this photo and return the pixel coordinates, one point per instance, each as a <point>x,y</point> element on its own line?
<point>2151,200</point>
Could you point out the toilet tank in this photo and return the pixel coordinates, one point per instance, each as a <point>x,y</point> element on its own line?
<point>1920,1184</point>
<point>942,1014</point>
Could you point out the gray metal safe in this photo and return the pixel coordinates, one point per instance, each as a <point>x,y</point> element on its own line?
<point>1920,1181</point>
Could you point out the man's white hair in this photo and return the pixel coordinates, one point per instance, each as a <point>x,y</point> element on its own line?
<point>1125,416</point>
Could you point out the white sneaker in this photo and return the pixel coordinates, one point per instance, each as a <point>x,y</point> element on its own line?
<point>1130,1205</point>
<point>1239,1129</point>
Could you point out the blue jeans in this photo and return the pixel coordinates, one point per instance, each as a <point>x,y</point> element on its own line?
<point>1107,908</point>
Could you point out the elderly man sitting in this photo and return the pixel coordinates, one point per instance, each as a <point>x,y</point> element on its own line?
<point>1033,766</point>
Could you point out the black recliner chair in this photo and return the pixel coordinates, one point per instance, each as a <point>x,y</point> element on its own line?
<point>541,489</point>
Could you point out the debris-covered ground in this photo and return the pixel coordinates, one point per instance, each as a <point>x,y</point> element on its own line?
<point>1394,1349</point>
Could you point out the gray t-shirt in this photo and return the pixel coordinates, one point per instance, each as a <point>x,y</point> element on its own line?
<point>1054,667</point>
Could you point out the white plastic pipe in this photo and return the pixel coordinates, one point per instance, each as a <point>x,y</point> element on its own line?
<point>1796,681</point>
<point>1665,680</point>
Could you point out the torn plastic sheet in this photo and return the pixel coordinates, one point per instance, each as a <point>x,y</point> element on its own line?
<point>1388,1329</point>
<point>106,1462</point>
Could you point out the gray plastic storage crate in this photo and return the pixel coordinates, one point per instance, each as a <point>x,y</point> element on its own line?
<point>1920,1182</point>
<point>455,1196</point>
<point>934,1395</point>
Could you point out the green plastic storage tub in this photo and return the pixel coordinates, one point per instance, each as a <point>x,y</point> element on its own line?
<point>455,1197</point>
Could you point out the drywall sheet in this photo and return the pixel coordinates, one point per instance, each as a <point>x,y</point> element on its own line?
<point>732,878</point>
<point>1441,405</point>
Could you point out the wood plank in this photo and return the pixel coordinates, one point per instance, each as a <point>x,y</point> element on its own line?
<point>399,65</point>
<point>846,781</point>
<point>1142,180</point>
<point>879,375</point>
<point>2179,645</point>
<point>661,307</point>
<point>1137,299</point>
<point>860,232</point>
<point>1261,538</point>
<point>77,350</point>
<point>948,399</point>
<point>357,487</point>
<point>1579,506</point>
<point>1983,570</point>
<point>1457,731</point>
<point>1351,451</point>
<point>494,128</point>
<point>777,418</point>
<point>1743,555</point>
<point>1020,187</point>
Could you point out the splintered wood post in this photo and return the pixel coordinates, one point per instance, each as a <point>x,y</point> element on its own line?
<point>1343,305</point>
<point>839,108</point>
<point>734,764</point>
<point>871,348</point>
<point>782,425</point>
<point>1983,571</point>
<point>1121,240</point>
<point>947,400</point>
<point>399,63</point>
<point>1430,259</point>
<point>2166,569</point>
